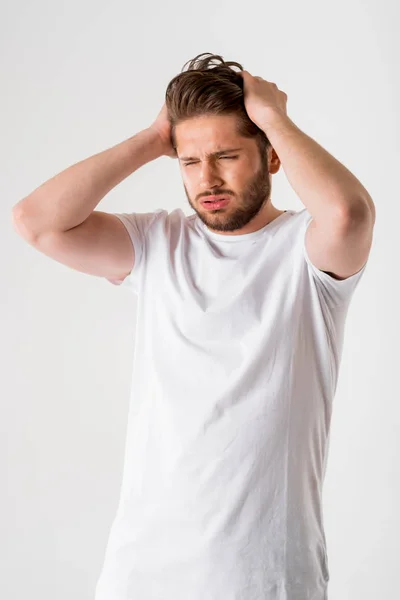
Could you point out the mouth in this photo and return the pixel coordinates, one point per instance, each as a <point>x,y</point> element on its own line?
<point>213,202</point>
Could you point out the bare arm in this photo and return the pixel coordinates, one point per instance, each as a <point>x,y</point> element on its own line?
<point>58,218</point>
<point>67,199</point>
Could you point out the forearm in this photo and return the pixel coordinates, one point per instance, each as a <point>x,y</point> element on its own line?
<point>325,186</point>
<point>68,198</point>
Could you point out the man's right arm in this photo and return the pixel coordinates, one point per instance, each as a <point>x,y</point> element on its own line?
<point>59,217</point>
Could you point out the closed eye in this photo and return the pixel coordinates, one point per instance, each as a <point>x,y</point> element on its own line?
<point>227,157</point>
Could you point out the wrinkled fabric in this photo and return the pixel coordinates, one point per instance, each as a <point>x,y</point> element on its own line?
<point>237,352</point>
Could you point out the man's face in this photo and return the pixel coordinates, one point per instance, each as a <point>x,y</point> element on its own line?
<point>238,175</point>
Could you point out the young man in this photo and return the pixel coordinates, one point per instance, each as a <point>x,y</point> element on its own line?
<point>241,312</point>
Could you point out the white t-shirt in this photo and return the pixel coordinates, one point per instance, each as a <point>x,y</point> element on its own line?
<point>238,346</point>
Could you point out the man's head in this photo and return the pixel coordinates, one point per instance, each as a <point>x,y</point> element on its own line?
<point>207,115</point>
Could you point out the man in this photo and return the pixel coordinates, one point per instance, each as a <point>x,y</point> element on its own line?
<point>241,312</point>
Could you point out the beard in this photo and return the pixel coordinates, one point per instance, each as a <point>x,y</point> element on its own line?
<point>254,197</point>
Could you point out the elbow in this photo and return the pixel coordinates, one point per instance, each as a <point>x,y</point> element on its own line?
<point>360,210</point>
<point>19,222</point>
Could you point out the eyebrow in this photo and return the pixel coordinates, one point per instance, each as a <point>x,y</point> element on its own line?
<point>212,154</point>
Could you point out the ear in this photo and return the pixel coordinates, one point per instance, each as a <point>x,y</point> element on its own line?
<point>273,161</point>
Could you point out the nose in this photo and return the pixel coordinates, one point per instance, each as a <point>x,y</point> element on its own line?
<point>209,176</point>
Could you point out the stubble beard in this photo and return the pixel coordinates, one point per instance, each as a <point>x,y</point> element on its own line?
<point>240,212</point>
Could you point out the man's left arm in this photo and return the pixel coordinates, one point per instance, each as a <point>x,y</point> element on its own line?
<point>339,238</point>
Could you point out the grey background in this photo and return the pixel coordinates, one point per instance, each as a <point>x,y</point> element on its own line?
<point>79,77</point>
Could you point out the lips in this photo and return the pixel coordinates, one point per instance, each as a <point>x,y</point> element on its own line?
<point>215,204</point>
<point>213,199</point>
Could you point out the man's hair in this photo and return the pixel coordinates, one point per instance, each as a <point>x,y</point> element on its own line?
<point>207,89</point>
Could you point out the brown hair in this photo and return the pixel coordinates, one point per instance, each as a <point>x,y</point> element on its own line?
<point>206,89</point>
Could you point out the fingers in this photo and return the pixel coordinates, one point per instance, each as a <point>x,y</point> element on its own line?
<point>246,74</point>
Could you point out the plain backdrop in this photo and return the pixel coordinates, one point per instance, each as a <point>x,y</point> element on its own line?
<point>79,77</point>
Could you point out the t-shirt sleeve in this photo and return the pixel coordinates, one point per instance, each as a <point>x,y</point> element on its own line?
<point>137,225</point>
<point>336,292</point>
